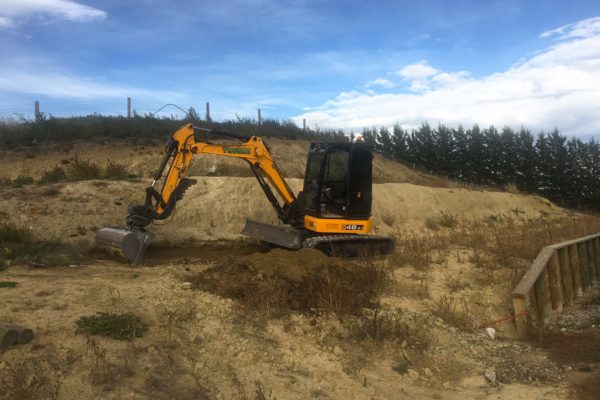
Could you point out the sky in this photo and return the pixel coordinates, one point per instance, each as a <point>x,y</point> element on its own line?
<point>338,64</point>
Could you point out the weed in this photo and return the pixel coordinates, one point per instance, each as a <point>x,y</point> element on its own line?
<point>401,367</point>
<point>116,171</point>
<point>22,180</point>
<point>80,170</point>
<point>449,311</point>
<point>432,224</point>
<point>117,326</point>
<point>56,174</point>
<point>4,284</point>
<point>447,220</point>
<point>455,284</point>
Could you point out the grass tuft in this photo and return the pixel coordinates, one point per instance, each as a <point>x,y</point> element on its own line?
<point>118,326</point>
<point>4,284</point>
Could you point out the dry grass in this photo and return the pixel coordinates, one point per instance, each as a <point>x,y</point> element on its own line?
<point>455,313</point>
<point>417,250</point>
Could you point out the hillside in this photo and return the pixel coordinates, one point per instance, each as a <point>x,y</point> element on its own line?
<point>228,319</point>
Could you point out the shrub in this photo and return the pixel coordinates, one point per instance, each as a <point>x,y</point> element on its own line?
<point>81,170</point>
<point>115,170</point>
<point>449,311</point>
<point>117,326</point>
<point>22,180</point>
<point>56,174</point>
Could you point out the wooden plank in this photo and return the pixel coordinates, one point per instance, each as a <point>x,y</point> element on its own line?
<point>566,278</point>
<point>541,297</point>
<point>554,279</point>
<point>533,273</point>
<point>591,261</point>
<point>569,243</point>
<point>575,271</point>
<point>519,304</point>
<point>583,266</point>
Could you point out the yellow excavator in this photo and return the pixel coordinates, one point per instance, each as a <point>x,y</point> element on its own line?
<point>332,213</point>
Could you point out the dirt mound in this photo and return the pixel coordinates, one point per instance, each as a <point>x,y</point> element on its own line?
<point>277,282</point>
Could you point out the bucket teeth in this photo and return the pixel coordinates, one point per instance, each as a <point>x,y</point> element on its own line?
<point>131,245</point>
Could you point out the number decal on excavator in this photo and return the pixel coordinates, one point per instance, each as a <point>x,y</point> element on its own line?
<point>353,227</point>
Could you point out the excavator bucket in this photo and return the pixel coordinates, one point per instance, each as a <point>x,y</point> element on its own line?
<point>130,245</point>
<point>284,236</point>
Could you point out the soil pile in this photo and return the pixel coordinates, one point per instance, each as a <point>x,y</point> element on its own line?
<point>306,281</point>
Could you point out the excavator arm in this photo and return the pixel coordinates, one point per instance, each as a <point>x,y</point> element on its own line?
<point>179,151</point>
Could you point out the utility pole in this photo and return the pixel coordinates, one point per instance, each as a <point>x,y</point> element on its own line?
<point>129,107</point>
<point>259,118</point>
<point>36,111</point>
<point>207,111</point>
<point>304,124</point>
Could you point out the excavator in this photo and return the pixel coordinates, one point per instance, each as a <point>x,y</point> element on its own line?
<point>332,213</point>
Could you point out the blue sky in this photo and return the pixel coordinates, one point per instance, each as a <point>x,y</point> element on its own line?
<point>346,64</point>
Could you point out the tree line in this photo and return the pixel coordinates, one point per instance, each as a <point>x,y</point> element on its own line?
<point>564,170</point>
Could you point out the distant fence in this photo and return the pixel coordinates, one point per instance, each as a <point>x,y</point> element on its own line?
<point>38,112</point>
<point>560,274</point>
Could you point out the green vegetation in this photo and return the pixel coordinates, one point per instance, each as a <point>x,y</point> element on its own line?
<point>61,130</point>
<point>56,174</point>
<point>124,326</point>
<point>4,284</point>
<point>17,243</point>
<point>563,170</point>
<point>401,367</point>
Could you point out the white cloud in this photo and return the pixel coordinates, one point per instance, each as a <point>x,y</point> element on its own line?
<point>558,87</point>
<point>582,29</point>
<point>418,75</point>
<point>15,11</point>
<point>58,84</point>
<point>384,83</point>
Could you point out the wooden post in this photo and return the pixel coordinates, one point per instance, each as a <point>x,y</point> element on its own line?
<point>520,306</point>
<point>597,252</point>
<point>259,118</point>
<point>304,124</point>
<point>129,107</point>
<point>583,266</point>
<point>567,279</point>
<point>541,297</point>
<point>591,261</point>
<point>207,111</point>
<point>36,111</point>
<point>575,271</point>
<point>531,301</point>
<point>556,289</point>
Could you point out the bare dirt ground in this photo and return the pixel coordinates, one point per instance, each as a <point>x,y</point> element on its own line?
<point>230,320</point>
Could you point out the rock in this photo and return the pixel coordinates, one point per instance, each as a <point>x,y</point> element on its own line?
<point>490,376</point>
<point>491,332</point>
<point>186,285</point>
<point>337,351</point>
<point>412,374</point>
<point>427,372</point>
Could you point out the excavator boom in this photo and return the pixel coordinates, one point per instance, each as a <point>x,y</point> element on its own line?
<point>159,205</point>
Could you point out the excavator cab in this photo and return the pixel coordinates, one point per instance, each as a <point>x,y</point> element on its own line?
<point>337,183</point>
